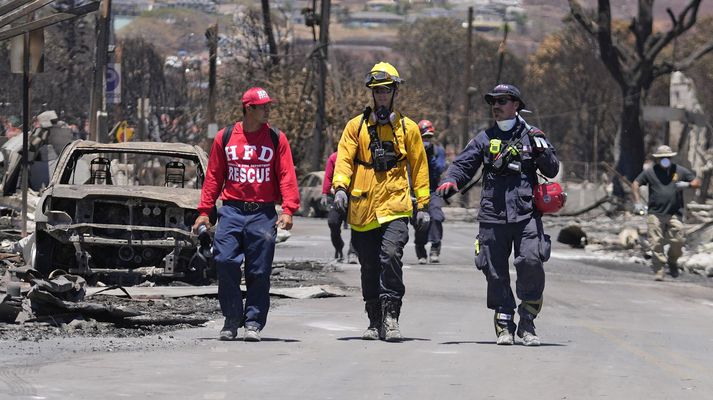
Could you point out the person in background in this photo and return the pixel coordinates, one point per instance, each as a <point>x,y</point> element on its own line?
<point>666,181</point>
<point>335,216</point>
<point>436,155</point>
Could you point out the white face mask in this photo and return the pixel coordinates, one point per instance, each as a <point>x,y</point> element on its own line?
<point>665,162</point>
<point>506,125</point>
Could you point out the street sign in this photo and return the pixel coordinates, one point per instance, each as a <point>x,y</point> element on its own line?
<point>124,133</point>
<point>113,83</point>
<point>37,52</point>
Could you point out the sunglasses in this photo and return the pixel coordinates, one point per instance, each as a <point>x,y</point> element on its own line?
<point>383,89</point>
<point>499,100</point>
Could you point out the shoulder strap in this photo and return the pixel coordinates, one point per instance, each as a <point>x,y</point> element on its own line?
<point>227,133</point>
<point>275,136</point>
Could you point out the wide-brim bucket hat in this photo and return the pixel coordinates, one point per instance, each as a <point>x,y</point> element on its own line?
<point>664,151</point>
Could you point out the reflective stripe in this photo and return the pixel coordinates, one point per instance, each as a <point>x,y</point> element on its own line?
<point>422,192</point>
<point>505,317</point>
<point>340,178</point>
<point>380,221</point>
<point>363,228</point>
<point>357,192</point>
<point>532,306</point>
<point>389,218</point>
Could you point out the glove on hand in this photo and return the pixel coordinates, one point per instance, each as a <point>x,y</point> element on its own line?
<point>539,143</point>
<point>341,200</point>
<point>682,184</point>
<point>640,209</point>
<point>423,219</point>
<point>324,201</point>
<point>446,189</point>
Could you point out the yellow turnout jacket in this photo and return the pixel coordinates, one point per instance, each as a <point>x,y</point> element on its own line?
<point>379,197</point>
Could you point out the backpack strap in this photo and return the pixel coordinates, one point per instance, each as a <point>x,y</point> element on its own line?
<point>227,133</point>
<point>274,135</point>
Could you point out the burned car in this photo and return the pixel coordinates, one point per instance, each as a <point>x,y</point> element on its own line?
<point>121,206</point>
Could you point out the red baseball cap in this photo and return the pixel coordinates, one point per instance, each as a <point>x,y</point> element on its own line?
<point>256,96</point>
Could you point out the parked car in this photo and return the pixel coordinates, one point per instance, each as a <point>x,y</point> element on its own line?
<point>120,206</point>
<point>310,195</point>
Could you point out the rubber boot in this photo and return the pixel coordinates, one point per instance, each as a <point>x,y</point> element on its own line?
<point>504,329</point>
<point>390,309</point>
<point>373,310</point>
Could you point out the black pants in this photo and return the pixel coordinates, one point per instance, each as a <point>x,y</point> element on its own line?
<point>434,233</point>
<point>380,251</point>
<point>334,220</point>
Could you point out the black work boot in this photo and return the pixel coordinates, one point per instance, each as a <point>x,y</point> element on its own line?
<point>526,330</point>
<point>390,309</point>
<point>673,270</point>
<point>373,310</point>
<point>504,329</point>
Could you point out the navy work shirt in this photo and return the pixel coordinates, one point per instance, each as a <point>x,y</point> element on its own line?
<point>505,197</point>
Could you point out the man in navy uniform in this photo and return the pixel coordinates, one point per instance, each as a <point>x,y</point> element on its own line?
<point>511,153</point>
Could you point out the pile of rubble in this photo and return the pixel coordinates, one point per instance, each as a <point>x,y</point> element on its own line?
<point>624,237</point>
<point>33,307</point>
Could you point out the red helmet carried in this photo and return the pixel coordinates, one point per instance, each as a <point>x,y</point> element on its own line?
<point>549,197</point>
<point>426,127</point>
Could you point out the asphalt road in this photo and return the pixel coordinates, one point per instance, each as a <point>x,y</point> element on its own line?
<point>608,331</point>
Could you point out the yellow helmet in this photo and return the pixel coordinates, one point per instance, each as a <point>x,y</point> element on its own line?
<point>382,73</point>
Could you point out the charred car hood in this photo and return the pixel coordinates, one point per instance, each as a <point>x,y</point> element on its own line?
<point>181,197</point>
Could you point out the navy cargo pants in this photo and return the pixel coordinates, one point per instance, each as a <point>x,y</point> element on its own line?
<point>380,251</point>
<point>532,248</point>
<point>245,236</point>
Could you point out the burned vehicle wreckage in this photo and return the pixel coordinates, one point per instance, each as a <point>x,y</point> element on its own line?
<point>121,206</point>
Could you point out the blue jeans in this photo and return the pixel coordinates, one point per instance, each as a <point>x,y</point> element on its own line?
<point>250,237</point>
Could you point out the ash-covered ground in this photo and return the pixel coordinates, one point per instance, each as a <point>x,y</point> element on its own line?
<point>160,316</point>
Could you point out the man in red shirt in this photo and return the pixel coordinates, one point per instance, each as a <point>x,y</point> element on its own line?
<point>250,169</point>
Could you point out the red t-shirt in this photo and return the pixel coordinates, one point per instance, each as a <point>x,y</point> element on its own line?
<point>329,173</point>
<point>250,169</point>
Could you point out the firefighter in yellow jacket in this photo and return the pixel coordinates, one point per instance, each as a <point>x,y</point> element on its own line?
<point>377,153</point>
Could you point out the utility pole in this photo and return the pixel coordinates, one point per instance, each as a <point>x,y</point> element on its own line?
<point>320,124</point>
<point>501,51</point>
<point>96,99</point>
<point>468,76</point>
<point>211,35</point>
<point>25,125</point>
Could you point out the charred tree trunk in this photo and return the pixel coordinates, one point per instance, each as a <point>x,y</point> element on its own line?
<point>630,140</point>
<point>269,34</point>
<point>632,60</point>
